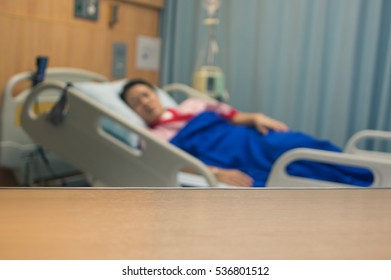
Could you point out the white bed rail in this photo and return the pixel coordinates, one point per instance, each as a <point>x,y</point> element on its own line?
<point>66,74</point>
<point>14,142</point>
<point>189,91</point>
<point>352,145</point>
<point>81,141</point>
<point>279,177</point>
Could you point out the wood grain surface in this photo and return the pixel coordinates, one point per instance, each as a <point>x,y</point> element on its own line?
<point>195,224</point>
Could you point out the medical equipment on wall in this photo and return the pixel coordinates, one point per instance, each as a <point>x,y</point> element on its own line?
<point>209,78</point>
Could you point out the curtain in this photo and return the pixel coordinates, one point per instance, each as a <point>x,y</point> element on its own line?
<point>322,66</point>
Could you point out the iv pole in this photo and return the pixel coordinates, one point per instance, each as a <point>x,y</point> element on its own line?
<point>210,78</point>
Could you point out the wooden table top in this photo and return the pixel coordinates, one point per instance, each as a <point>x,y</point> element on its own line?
<point>195,224</point>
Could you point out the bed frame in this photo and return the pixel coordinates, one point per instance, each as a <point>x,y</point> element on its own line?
<point>16,147</point>
<point>80,141</point>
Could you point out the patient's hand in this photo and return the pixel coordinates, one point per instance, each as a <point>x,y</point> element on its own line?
<point>263,123</point>
<point>232,177</point>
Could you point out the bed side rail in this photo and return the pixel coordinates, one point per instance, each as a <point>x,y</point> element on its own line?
<point>189,91</point>
<point>352,145</point>
<point>14,142</point>
<point>66,74</point>
<point>81,141</point>
<point>279,177</point>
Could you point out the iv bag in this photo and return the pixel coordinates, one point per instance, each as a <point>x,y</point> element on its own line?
<point>211,6</point>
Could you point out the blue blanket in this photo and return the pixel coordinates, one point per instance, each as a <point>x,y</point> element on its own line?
<point>217,142</point>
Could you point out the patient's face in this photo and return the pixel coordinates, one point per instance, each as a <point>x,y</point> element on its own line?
<point>145,102</point>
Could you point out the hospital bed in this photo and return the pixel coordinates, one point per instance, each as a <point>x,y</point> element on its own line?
<point>112,146</point>
<point>17,151</point>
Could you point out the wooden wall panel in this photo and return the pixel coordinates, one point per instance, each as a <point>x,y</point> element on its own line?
<point>150,3</point>
<point>48,27</point>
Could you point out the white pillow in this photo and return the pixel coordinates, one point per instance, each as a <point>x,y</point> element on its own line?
<point>108,95</point>
<point>165,98</point>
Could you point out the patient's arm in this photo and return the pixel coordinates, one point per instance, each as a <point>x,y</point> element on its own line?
<point>262,122</point>
<point>232,177</point>
<point>228,176</point>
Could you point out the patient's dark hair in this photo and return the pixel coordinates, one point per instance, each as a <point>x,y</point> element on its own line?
<point>131,84</point>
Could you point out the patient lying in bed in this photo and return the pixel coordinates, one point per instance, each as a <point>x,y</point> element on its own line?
<point>240,148</point>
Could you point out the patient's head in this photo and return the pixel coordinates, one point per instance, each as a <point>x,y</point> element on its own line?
<point>142,98</point>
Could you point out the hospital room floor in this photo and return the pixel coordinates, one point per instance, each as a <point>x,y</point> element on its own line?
<point>195,224</point>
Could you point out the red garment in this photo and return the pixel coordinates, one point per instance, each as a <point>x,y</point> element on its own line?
<point>174,119</point>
